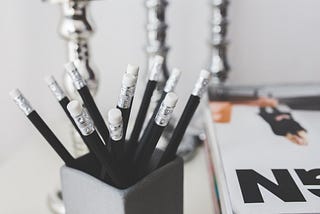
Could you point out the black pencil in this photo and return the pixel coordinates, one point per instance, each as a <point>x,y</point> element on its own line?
<point>94,142</point>
<point>63,100</point>
<point>42,127</point>
<point>151,85</point>
<point>191,106</point>
<point>146,147</point>
<point>169,87</point>
<point>115,123</point>
<point>88,100</point>
<point>126,96</point>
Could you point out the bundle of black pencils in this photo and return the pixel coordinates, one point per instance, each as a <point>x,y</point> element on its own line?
<point>120,162</point>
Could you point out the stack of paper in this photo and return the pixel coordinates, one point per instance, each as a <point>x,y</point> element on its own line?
<point>260,172</point>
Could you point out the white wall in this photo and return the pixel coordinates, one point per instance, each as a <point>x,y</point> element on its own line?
<point>271,41</point>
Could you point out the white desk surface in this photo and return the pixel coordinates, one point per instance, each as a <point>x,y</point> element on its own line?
<point>32,172</point>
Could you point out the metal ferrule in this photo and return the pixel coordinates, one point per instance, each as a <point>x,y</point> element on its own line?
<point>84,123</point>
<point>57,90</point>
<point>201,87</point>
<point>116,131</point>
<point>171,83</point>
<point>77,79</point>
<point>23,104</point>
<point>164,114</point>
<point>125,97</point>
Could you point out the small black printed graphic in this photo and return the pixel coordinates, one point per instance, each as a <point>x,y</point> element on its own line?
<point>283,124</point>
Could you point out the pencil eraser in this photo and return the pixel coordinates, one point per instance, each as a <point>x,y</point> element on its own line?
<point>133,70</point>
<point>114,116</point>
<point>171,99</point>
<point>49,80</point>
<point>156,68</point>
<point>158,59</point>
<point>79,64</point>
<point>75,108</point>
<point>205,74</point>
<point>15,93</point>
<point>176,72</point>
<point>70,66</point>
<point>129,80</point>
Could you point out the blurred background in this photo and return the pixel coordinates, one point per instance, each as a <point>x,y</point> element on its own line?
<point>271,41</point>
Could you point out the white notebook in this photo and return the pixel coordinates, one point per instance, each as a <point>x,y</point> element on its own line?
<point>264,172</point>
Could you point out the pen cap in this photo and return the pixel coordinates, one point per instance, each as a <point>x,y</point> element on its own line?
<point>156,68</point>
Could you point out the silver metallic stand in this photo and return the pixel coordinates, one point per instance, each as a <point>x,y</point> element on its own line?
<point>156,45</point>
<point>219,24</point>
<point>156,33</point>
<point>76,29</point>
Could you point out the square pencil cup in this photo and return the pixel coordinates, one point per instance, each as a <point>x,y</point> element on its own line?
<point>159,192</point>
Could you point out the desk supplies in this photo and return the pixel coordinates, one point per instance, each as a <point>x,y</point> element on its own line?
<point>106,141</point>
<point>42,127</point>
<point>92,139</point>
<point>150,87</point>
<point>87,99</point>
<point>147,145</point>
<point>169,87</point>
<point>160,192</point>
<point>127,91</point>
<point>62,99</point>
<point>192,104</point>
<point>115,124</point>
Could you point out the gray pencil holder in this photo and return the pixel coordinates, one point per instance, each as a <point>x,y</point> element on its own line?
<point>160,192</point>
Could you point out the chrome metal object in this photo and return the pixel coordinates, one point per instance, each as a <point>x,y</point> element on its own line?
<point>219,65</point>
<point>156,33</point>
